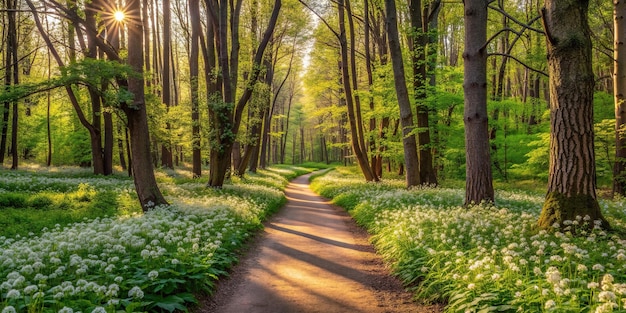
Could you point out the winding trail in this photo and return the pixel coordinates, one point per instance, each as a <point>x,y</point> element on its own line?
<point>311,257</point>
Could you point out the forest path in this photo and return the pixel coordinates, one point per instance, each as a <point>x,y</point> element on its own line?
<point>311,257</point>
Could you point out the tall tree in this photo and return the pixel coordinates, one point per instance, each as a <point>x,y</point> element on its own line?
<point>411,161</point>
<point>145,181</point>
<point>420,19</point>
<point>225,113</point>
<point>352,102</point>
<point>572,174</point>
<point>478,180</point>
<point>12,62</point>
<point>95,128</point>
<point>8,76</point>
<point>619,90</point>
<point>194,16</point>
<point>166,90</point>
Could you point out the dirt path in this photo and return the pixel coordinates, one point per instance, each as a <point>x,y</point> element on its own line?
<point>311,257</point>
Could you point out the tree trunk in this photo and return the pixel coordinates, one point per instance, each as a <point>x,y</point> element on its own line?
<point>302,146</point>
<point>360,154</point>
<point>145,181</point>
<point>48,104</point>
<point>406,114</point>
<point>262,142</point>
<point>227,114</point>
<point>120,146</point>
<point>370,83</point>
<point>419,24</point>
<point>12,61</point>
<point>289,102</point>
<point>194,12</point>
<point>7,83</point>
<point>107,152</point>
<point>478,181</point>
<point>166,88</point>
<point>619,90</point>
<point>572,175</point>
<point>95,131</point>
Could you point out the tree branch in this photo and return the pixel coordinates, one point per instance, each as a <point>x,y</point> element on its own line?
<point>320,17</point>
<point>517,21</point>
<point>518,61</point>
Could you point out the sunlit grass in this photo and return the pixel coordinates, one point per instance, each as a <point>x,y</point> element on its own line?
<point>82,244</point>
<point>487,258</point>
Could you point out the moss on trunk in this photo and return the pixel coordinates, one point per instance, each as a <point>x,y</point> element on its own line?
<point>559,208</point>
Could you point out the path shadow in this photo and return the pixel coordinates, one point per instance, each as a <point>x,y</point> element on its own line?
<point>362,248</point>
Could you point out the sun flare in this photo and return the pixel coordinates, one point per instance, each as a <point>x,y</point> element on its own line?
<point>119,16</point>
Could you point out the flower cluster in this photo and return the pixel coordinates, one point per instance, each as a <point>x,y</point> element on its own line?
<point>489,257</point>
<point>114,263</point>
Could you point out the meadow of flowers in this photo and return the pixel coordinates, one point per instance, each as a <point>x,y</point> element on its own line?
<point>487,258</point>
<point>157,261</point>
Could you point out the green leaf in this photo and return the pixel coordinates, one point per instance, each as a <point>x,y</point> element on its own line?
<point>171,303</point>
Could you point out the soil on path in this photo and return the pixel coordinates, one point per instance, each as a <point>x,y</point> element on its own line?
<point>311,257</point>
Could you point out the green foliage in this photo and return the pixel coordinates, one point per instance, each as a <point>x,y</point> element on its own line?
<point>98,252</point>
<point>604,132</point>
<point>487,258</point>
<point>97,73</point>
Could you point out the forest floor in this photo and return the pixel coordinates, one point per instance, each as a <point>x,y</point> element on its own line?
<point>311,257</point>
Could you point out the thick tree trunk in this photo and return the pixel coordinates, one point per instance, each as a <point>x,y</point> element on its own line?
<point>619,90</point>
<point>406,114</point>
<point>572,176</point>
<point>145,181</point>
<point>478,181</point>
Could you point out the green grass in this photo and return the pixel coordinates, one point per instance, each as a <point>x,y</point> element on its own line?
<point>82,243</point>
<point>487,258</point>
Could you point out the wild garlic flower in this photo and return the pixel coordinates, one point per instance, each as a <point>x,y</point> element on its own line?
<point>135,293</point>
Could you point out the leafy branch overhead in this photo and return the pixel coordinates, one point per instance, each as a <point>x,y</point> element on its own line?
<point>97,74</point>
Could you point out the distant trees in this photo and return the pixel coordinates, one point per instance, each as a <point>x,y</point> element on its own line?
<point>223,88</point>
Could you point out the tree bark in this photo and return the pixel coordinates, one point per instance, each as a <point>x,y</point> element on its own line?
<point>95,131</point>
<point>478,181</point>
<point>370,83</point>
<point>419,24</point>
<point>226,114</point>
<point>572,174</point>
<point>166,89</point>
<point>194,12</point>
<point>145,181</point>
<point>360,154</point>
<point>619,90</point>
<point>8,76</point>
<point>409,143</point>
<point>12,62</point>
